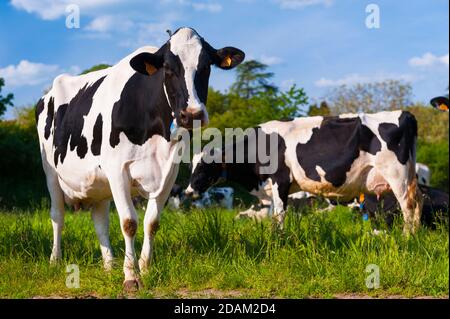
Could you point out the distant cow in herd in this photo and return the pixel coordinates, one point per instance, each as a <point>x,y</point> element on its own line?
<point>106,135</point>
<point>336,157</point>
<point>434,200</point>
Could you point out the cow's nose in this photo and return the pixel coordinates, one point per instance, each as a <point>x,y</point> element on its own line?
<point>187,118</point>
<point>191,194</point>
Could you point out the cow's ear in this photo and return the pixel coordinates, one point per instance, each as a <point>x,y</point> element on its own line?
<point>440,103</point>
<point>228,58</point>
<point>147,63</point>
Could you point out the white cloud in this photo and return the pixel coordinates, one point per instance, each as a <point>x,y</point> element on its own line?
<point>211,7</point>
<point>356,78</point>
<point>101,24</point>
<point>147,34</point>
<point>108,23</point>
<point>429,60</point>
<point>298,4</point>
<point>54,9</point>
<point>270,60</point>
<point>28,73</point>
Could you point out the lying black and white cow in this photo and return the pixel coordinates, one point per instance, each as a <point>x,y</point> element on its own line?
<point>336,157</point>
<point>107,135</point>
<point>435,206</point>
<point>213,197</point>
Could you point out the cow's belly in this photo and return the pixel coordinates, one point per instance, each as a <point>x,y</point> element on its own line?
<point>83,185</point>
<point>362,177</point>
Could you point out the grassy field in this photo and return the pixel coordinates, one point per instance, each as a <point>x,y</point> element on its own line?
<point>209,254</point>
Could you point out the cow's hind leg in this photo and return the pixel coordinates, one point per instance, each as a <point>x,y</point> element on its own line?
<point>121,191</point>
<point>403,182</point>
<point>56,214</point>
<point>100,217</point>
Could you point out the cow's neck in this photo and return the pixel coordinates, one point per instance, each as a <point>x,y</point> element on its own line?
<point>142,111</point>
<point>168,114</point>
<point>241,173</point>
<point>163,112</point>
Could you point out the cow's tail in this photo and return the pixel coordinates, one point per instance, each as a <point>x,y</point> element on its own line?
<point>408,125</point>
<point>414,196</point>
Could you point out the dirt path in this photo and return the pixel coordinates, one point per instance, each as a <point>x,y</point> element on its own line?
<point>234,294</point>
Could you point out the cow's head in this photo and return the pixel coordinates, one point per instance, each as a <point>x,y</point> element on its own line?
<point>440,103</point>
<point>204,175</point>
<point>185,61</point>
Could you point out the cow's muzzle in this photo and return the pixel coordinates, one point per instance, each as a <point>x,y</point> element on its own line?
<point>191,194</point>
<point>193,119</point>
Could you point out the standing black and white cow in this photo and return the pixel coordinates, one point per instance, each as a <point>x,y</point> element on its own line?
<point>336,157</point>
<point>106,135</point>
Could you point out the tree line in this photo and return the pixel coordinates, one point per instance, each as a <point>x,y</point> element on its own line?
<point>252,99</point>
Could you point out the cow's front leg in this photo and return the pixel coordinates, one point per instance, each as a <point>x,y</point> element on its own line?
<point>280,193</point>
<point>151,225</point>
<point>129,224</point>
<point>151,222</point>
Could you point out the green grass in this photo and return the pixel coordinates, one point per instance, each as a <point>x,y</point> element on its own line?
<point>209,254</point>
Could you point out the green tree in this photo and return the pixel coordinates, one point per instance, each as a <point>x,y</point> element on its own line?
<point>25,116</point>
<point>97,67</point>
<point>4,100</point>
<point>322,110</point>
<point>252,79</point>
<point>231,110</point>
<point>253,100</point>
<point>370,97</point>
<point>432,124</point>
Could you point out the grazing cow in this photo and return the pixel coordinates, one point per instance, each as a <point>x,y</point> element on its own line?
<point>215,196</point>
<point>336,157</point>
<point>107,135</point>
<point>440,103</point>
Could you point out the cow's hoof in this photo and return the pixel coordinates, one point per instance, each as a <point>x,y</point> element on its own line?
<point>132,285</point>
<point>108,266</point>
<point>144,266</point>
<point>55,260</point>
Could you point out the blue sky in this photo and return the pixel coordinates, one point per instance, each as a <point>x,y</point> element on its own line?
<point>317,44</point>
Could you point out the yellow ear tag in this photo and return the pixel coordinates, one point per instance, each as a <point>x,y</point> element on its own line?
<point>226,62</point>
<point>443,107</point>
<point>361,198</point>
<point>150,68</point>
